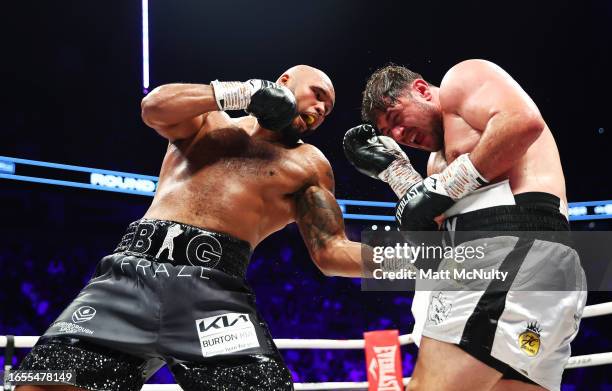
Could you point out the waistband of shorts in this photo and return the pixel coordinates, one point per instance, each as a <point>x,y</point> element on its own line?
<point>534,211</point>
<point>183,244</point>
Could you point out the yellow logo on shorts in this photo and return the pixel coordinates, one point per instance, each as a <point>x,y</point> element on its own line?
<point>529,340</point>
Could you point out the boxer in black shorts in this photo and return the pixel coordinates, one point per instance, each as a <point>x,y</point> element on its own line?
<point>174,290</point>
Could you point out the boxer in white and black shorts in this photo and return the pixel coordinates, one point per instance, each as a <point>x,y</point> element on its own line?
<point>481,129</point>
<point>521,326</point>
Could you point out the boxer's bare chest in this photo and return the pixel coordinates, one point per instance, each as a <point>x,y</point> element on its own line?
<point>225,151</point>
<point>227,180</point>
<point>459,137</point>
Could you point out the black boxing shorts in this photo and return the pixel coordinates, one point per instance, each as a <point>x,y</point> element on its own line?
<point>170,293</point>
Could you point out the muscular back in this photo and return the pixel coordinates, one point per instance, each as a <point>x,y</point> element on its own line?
<point>227,180</point>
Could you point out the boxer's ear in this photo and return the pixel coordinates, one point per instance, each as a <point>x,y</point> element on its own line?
<point>283,79</point>
<point>421,88</point>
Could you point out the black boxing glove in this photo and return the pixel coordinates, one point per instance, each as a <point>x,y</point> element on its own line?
<point>366,151</point>
<point>424,201</point>
<point>272,104</point>
<point>435,194</point>
<point>379,157</point>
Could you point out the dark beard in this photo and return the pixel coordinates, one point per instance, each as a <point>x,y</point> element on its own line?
<point>437,129</point>
<point>435,123</point>
<point>292,135</point>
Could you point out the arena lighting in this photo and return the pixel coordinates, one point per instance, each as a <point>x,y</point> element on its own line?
<point>578,211</point>
<point>7,167</point>
<point>76,176</point>
<point>124,182</point>
<point>145,46</point>
<point>603,209</point>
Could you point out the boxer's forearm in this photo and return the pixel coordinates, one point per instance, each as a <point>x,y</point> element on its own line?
<point>505,140</point>
<point>342,258</point>
<point>173,104</point>
<point>319,219</point>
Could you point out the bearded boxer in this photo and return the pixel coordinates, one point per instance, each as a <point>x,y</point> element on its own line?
<point>174,289</point>
<point>494,166</point>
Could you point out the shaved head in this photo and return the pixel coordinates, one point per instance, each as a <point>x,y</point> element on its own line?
<point>308,71</point>
<point>314,94</point>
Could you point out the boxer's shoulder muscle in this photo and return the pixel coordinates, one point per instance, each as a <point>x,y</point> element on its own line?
<point>318,186</point>
<point>471,94</point>
<point>471,72</point>
<point>462,82</point>
<point>319,170</point>
<point>317,213</point>
<point>478,89</point>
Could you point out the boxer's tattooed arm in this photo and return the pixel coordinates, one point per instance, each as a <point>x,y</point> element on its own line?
<point>318,216</point>
<point>320,221</point>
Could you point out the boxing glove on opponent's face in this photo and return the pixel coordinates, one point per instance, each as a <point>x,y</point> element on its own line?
<point>379,157</point>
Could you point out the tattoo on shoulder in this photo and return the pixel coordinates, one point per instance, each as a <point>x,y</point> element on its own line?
<point>318,216</point>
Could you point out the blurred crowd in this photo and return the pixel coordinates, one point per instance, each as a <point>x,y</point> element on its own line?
<point>41,276</point>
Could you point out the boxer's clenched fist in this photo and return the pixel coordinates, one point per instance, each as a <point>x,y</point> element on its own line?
<point>379,157</point>
<point>369,153</point>
<point>272,104</point>
<point>431,197</point>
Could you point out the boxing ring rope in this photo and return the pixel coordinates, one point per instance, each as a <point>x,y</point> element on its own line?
<point>588,360</point>
<point>131,183</point>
